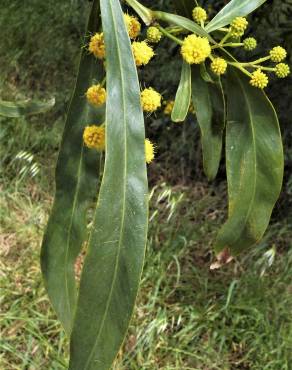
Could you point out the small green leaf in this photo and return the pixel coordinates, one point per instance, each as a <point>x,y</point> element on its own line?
<point>113,264</point>
<point>205,74</point>
<point>209,103</point>
<point>254,163</point>
<point>77,176</point>
<point>235,8</point>
<point>24,108</point>
<point>183,95</point>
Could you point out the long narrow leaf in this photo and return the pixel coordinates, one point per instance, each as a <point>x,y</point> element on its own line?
<point>24,108</point>
<point>183,22</point>
<point>113,265</point>
<point>209,102</point>
<point>183,95</point>
<point>235,8</point>
<point>76,186</point>
<point>254,162</point>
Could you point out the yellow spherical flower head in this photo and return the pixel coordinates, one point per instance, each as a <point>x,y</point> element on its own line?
<point>133,26</point>
<point>219,66</point>
<point>149,151</point>
<point>94,137</point>
<point>238,26</point>
<point>153,35</point>
<point>199,14</point>
<point>97,46</point>
<point>278,54</point>
<point>195,49</point>
<point>259,79</point>
<point>96,95</point>
<point>142,53</point>
<point>282,70</point>
<point>250,43</point>
<point>150,100</point>
<point>168,107</point>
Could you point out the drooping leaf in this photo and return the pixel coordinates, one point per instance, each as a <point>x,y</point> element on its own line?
<point>209,103</point>
<point>254,163</point>
<point>183,95</point>
<point>113,265</point>
<point>76,186</point>
<point>24,108</point>
<point>235,8</point>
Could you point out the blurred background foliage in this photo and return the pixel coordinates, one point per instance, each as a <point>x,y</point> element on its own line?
<point>181,304</point>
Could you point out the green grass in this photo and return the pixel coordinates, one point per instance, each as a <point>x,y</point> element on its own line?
<point>187,316</point>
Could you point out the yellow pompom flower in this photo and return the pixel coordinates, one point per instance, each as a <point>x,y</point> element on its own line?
<point>150,100</point>
<point>153,35</point>
<point>142,53</point>
<point>96,95</point>
<point>149,151</point>
<point>195,49</point>
<point>97,46</point>
<point>278,54</point>
<point>259,79</point>
<point>94,137</point>
<point>219,66</point>
<point>238,26</point>
<point>199,14</point>
<point>250,43</point>
<point>282,70</point>
<point>133,26</point>
<point>168,107</point>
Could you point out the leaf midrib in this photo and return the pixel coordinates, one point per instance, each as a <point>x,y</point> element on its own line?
<point>122,209</point>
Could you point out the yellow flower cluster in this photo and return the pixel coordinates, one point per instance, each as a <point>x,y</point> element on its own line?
<point>96,45</point>
<point>133,26</point>
<point>142,53</point>
<point>259,79</point>
<point>199,14</point>
<point>278,54</point>
<point>282,70</point>
<point>149,151</point>
<point>250,43</point>
<point>94,137</point>
<point>153,35</point>
<point>168,107</point>
<point>96,95</point>
<point>219,66</point>
<point>150,100</point>
<point>195,49</point>
<point>238,26</point>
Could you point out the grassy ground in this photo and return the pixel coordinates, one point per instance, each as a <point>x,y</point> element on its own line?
<point>187,316</point>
